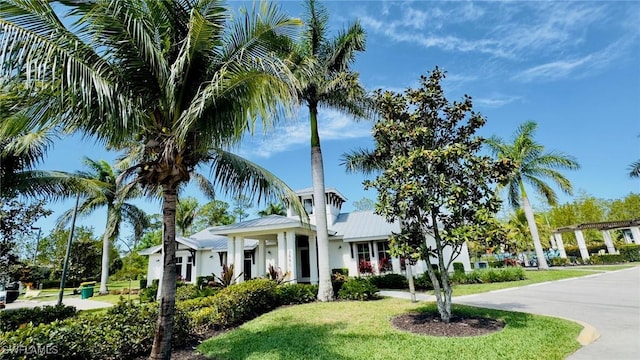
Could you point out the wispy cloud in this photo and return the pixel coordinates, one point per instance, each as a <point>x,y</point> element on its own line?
<point>295,133</point>
<point>496,100</point>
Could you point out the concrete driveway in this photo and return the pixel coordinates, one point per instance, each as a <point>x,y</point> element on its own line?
<point>608,301</point>
<point>80,304</point>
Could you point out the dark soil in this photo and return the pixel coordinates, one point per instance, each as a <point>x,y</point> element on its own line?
<point>431,324</point>
<point>188,351</point>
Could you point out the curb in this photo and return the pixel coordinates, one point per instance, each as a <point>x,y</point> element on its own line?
<point>589,333</point>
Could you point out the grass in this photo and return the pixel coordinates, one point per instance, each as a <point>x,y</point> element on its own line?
<point>362,330</point>
<point>52,294</point>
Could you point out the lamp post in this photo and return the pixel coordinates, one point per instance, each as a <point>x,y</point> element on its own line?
<point>35,253</point>
<point>66,257</point>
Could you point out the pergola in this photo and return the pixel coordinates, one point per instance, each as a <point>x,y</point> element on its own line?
<point>605,227</point>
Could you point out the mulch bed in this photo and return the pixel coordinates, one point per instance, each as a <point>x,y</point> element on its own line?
<point>188,351</point>
<point>431,324</point>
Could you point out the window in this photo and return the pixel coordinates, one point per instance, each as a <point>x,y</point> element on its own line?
<point>308,205</point>
<point>384,260</point>
<point>363,252</point>
<point>179,267</point>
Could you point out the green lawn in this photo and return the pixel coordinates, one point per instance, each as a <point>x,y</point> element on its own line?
<point>362,330</point>
<point>52,294</point>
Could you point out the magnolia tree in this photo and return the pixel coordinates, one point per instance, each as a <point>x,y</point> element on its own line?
<point>433,180</point>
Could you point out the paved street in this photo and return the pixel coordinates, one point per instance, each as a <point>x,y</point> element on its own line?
<point>609,301</point>
<point>80,304</point>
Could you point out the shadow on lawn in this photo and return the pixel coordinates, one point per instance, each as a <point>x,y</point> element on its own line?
<point>512,319</point>
<point>288,341</point>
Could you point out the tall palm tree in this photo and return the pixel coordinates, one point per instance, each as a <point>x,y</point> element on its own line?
<point>273,209</point>
<point>112,195</point>
<point>533,166</point>
<point>184,78</point>
<point>322,68</point>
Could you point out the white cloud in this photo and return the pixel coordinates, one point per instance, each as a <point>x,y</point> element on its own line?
<point>496,100</point>
<point>295,133</point>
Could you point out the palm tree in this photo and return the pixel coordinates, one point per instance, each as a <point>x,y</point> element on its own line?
<point>113,196</point>
<point>273,209</point>
<point>186,213</point>
<point>185,79</point>
<point>533,165</point>
<point>324,78</point>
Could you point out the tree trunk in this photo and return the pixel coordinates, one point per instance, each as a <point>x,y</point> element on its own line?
<point>104,275</point>
<point>528,212</point>
<point>412,286</point>
<point>167,293</point>
<point>325,290</point>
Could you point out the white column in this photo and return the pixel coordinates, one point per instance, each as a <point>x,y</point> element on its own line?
<point>291,256</point>
<point>282,253</point>
<point>313,259</point>
<point>395,264</point>
<point>635,231</point>
<point>231,251</point>
<point>581,245</point>
<point>627,239</point>
<point>607,241</point>
<point>239,267</point>
<point>262,267</point>
<point>558,237</point>
<point>373,247</point>
<point>552,242</point>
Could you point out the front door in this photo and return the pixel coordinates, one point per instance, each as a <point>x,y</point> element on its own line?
<point>304,264</point>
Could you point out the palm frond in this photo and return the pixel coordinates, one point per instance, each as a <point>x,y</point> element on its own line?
<point>238,176</point>
<point>634,169</point>
<point>341,53</point>
<point>361,161</point>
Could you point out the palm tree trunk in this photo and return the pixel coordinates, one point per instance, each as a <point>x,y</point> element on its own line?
<point>325,290</point>
<point>167,297</point>
<point>528,212</point>
<point>104,275</point>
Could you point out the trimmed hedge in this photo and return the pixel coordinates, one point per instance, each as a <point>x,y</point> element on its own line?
<point>630,252</point>
<point>608,259</point>
<point>496,275</point>
<point>12,319</point>
<point>591,249</point>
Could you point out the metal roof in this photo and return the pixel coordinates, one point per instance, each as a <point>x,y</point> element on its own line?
<point>269,222</point>
<point>202,241</point>
<point>363,225</point>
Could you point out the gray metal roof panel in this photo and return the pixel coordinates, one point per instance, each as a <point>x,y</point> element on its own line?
<point>363,224</point>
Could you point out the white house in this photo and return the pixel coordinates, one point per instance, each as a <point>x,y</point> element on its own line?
<point>358,241</point>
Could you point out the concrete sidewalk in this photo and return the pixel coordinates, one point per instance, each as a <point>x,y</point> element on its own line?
<point>606,304</point>
<point>79,304</point>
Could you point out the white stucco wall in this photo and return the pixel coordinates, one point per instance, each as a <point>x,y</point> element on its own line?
<point>154,269</point>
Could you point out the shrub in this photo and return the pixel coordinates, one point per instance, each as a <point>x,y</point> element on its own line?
<point>242,302</point>
<point>608,259</point>
<point>341,271</point>
<point>358,289</point>
<point>389,281</point>
<point>630,252</point>
<point>143,283</point>
<point>12,319</point>
<point>124,332</point>
<point>558,261</point>
<point>338,279</point>
<point>292,294</point>
<point>150,293</point>
<point>458,277</point>
<point>50,284</point>
<point>186,292</point>
<point>591,249</point>
<point>458,267</point>
<point>365,267</point>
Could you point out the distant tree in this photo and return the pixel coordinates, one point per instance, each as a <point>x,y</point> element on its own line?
<point>241,204</point>
<point>533,165</point>
<point>627,208</point>
<point>273,209</point>
<point>213,213</point>
<point>584,209</point>
<point>16,220</point>
<point>364,204</point>
<point>84,259</point>
<point>434,182</point>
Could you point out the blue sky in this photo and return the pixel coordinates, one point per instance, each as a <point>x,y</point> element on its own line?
<point>573,67</point>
